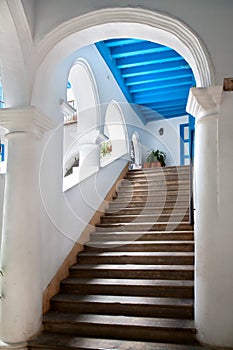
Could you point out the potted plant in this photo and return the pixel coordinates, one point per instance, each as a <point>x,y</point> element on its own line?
<point>155,159</point>
<point>105,149</point>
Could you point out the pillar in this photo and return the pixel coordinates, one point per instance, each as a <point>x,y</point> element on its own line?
<point>21,289</point>
<point>213,292</point>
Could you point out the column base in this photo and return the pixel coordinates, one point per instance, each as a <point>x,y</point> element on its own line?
<point>19,346</point>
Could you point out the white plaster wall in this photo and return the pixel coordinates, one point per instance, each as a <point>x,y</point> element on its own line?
<point>2,187</point>
<point>64,216</point>
<point>169,142</point>
<point>210,19</point>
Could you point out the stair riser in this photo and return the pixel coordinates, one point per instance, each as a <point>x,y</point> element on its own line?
<point>129,187</point>
<point>119,205</point>
<point>145,211</point>
<point>159,178</point>
<point>155,182</point>
<point>147,291</point>
<point>124,332</point>
<point>144,227</point>
<point>187,260</point>
<point>160,274</point>
<point>152,198</point>
<point>111,237</point>
<point>135,248</point>
<point>150,218</point>
<point>183,312</point>
<point>154,192</point>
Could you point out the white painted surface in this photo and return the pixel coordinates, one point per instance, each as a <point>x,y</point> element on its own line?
<point>2,188</point>
<point>169,142</point>
<point>215,325</point>
<point>200,16</point>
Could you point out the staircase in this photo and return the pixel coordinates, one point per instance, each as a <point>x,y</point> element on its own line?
<point>133,286</point>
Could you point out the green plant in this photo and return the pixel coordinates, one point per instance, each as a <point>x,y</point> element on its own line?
<point>106,148</point>
<point>157,156</point>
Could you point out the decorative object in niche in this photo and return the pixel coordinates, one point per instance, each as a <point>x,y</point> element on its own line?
<point>161,131</point>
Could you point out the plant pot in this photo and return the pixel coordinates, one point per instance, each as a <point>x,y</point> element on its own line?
<point>155,164</point>
<point>147,165</point>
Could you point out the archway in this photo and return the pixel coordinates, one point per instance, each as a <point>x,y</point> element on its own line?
<point>58,49</point>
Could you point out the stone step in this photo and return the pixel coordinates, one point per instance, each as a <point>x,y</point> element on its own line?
<point>179,272</point>
<point>142,236</point>
<point>163,169</point>
<point>152,191</point>
<point>144,226</point>
<point>48,341</point>
<point>167,258</point>
<point>145,218</point>
<point>151,182</point>
<point>130,286</point>
<point>164,196</point>
<point>150,202</point>
<point>141,246</point>
<point>119,205</point>
<point>129,328</point>
<point>158,176</point>
<point>158,171</point>
<point>124,305</point>
<point>126,185</point>
<point>145,211</point>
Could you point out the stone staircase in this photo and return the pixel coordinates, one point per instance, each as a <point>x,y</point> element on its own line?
<point>133,285</point>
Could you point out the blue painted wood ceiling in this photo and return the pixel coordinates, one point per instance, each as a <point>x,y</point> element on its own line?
<point>154,78</point>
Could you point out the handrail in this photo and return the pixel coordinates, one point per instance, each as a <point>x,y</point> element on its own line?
<point>191,206</point>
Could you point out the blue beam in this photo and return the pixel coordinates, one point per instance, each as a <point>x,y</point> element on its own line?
<point>143,79</point>
<point>162,104</point>
<point>160,95</point>
<point>122,41</point>
<point>154,68</point>
<point>141,48</point>
<point>184,82</point>
<point>144,60</point>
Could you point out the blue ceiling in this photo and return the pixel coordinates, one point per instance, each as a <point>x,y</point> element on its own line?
<point>154,78</point>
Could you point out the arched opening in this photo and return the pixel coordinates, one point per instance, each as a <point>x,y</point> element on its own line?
<point>116,131</point>
<point>81,129</point>
<point>112,23</point>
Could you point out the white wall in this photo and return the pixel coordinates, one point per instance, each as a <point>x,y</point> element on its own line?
<point>2,187</point>
<point>65,215</point>
<point>210,19</point>
<point>169,142</point>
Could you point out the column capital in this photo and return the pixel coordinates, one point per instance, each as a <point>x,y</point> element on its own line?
<point>204,101</point>
<point>25,119</point>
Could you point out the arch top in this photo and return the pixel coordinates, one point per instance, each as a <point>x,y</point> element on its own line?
<point>131,22</point>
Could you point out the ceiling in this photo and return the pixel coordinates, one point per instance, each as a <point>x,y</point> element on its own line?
<point>154,78</point>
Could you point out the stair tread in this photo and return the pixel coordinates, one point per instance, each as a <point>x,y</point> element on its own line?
<point>143,223</point>
<point>131,267</point>
<point>143,232</point>
<point>129,282</point>
<point>137,243</point>
<point>119,299</point>
<point>117,320</point>
<point>109,217</point>
<point>144,254</point>
<point>66,342</point>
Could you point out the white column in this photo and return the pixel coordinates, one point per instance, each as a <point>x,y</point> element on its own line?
<point>20,261</point>
<point>213,289</point>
